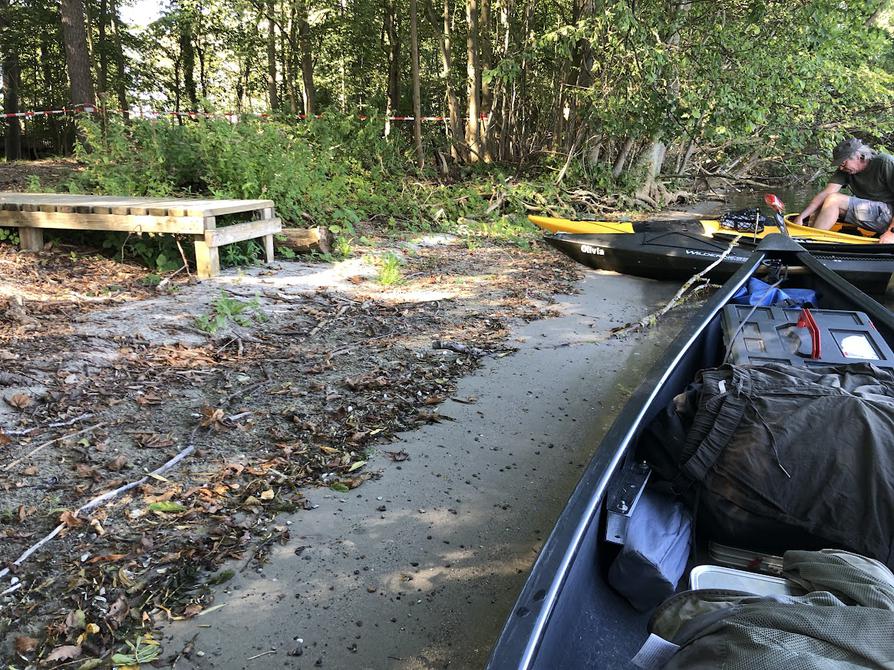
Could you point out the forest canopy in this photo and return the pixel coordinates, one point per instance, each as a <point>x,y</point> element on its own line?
<point>616,94</point>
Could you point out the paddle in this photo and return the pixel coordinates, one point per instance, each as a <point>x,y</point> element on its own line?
<point>778,208</point>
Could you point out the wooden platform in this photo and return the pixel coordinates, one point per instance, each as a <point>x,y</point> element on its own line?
<point>32,212</point>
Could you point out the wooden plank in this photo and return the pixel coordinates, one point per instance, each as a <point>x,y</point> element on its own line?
<point>186,206</point>
<point>221,207</point>
<point>143,224</point>
<point>268,247</point>
<point>242,231</point>
<point>207,258</point>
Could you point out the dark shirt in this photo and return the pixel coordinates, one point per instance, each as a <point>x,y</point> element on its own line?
<point>874,182</point>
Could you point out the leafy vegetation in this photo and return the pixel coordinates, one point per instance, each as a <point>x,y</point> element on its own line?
<point>226,310</point>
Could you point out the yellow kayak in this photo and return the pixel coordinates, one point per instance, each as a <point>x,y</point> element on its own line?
<point>711,228</point>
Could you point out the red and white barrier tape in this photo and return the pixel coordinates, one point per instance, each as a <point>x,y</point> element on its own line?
<point>230,116</point>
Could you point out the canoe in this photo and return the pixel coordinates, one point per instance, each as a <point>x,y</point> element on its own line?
<point>707,227</point>
<point>567,616</point>
<point>680,251</point>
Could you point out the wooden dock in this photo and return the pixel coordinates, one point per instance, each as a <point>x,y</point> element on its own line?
<point>32,212</point>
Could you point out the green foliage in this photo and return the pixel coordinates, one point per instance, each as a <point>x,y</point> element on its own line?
<point>225,310</point>
<point>9,236</point>
<point>389,270</point>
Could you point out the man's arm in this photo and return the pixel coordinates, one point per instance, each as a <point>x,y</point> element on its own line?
<point>817,202</point>
<point>888,236</point>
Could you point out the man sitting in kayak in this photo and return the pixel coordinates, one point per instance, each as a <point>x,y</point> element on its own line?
<point>870,177</point>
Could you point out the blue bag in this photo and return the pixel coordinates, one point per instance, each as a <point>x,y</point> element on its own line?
<point>758,292</point>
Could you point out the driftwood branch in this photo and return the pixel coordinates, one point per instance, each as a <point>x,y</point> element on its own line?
<point>99,500</point>
<point>678,296</point>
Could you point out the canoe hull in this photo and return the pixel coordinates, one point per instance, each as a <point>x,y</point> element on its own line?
<point>566,615</point>
<point>676,254</point>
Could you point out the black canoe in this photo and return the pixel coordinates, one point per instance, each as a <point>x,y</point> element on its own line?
<point>679,253</point>
<point>567,616</point>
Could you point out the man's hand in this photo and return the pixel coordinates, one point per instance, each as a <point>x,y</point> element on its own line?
<point>798,220</point>
<point>886,238</point>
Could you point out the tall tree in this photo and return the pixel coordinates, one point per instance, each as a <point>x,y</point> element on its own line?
<point>443,36</point>
<point>272,93</point>
<point>417,96</point>
<point>309,90</point>
<point>391,38</point>
<point>11,83</point>
<point>473,82</point>
<point>76,52</point>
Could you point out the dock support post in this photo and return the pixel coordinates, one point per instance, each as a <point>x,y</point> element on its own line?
<point>207,257</point>
<point>268,239</point>
<point>30,239</point>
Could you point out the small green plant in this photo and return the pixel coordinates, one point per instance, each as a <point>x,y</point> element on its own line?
<point>9,235</point>
<point>389,270</point>
<point>343,247</point>
<point>33,184</point>
<point>241,253</point>
<point>144,650</point>
<point>286,253</point>
<point>151,281</point>
<point>225,310</point>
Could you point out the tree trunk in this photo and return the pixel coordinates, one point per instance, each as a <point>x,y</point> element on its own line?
<point>307,63</point>
<point>188,59</point>
<point>417,103</point>
<point>120,62</point>
<point>621,160</point>
<point>272,93</point>
<point>11,83</point>
<point>77,55</point>
<point>473,130</point>
<point>391,30</point>
<point>457,146</point>
<point>103,47</point>
<point>485,62</point>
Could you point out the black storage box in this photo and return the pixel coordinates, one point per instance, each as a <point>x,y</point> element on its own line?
<point>805,337</point>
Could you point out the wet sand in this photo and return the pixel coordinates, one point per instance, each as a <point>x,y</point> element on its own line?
<point>419,568</point>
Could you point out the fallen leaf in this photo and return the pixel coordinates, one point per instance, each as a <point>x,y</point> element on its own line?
<point>30,471</point>
<point>192,610</point>
<point>4,439</point>
<point>90,664</point>
<point>356,466</point>
<point>267,495</point>
<point>398,456</point>
<point>69,519</point>
<point>25,644</point>
<point>76,620</point>
<point>24,512</point>
<point>117,463</point>
<point>118,611</point>
<point>19,400</point>
<point>167,506</point>
<point>66,652</point>
<point>85,470</point>
<point>341,488</point>
<point>212,418</point>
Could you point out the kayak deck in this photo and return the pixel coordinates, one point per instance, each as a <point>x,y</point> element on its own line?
<point>707,227</point>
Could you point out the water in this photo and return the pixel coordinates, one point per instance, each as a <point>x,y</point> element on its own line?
<point>794,199</point>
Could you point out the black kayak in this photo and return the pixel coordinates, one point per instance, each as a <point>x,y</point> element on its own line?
<point>567,616</point>
<point>677,253</point>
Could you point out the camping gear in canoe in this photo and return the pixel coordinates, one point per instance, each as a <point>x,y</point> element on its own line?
<point>765,424</point>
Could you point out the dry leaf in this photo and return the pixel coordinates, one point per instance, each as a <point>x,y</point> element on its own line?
<point>4,439</point>
<point>118,611</point>
<point>398,456</point>
<point>85,470</point>
<point>30,471</point>
<point>24,512</point>
<point>212,418</point>
<point>64,653</point>
<point>267,495</point>
<point>69,519</point>
<point>19,400</point>
<point>25,644</point>
<point>117,463</point>
<point>192,610</point>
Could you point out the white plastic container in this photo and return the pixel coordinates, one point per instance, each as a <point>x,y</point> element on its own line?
<point>730,579</point>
